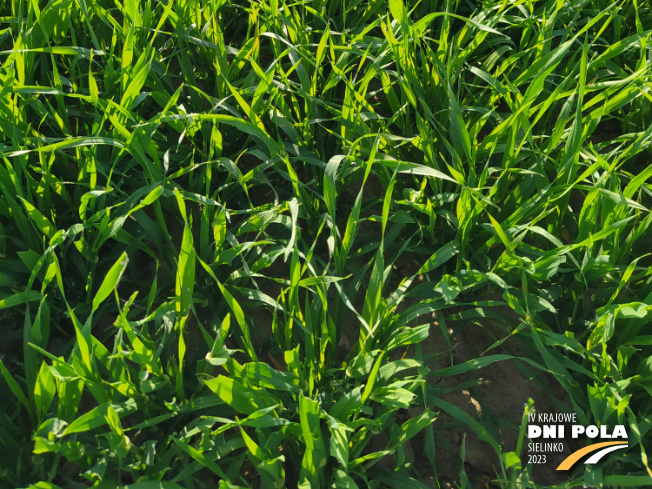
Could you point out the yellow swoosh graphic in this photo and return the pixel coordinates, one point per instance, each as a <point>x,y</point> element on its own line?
<point>575,456</point>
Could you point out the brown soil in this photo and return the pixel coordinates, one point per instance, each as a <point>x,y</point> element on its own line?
<point>495,396</point>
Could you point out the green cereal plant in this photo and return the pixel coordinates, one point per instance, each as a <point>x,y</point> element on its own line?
<point>237,238</point>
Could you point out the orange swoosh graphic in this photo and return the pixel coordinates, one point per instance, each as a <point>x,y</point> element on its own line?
<point>575,456</point>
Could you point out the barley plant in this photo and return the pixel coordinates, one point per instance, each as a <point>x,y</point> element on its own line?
<point>240,239</point>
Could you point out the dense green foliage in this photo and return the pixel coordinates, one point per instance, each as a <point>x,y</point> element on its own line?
<point>208,209</point>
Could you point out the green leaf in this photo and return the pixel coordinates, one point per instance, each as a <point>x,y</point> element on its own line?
<point>98,416</point>
<point>347,405</point>
<point>20,298</point>
<point>309,415</point>
<point>185,278</point>
<point>441,256</point>
<point>13,386</point>
<point>262,375</point>
<point>411,428</point>
<point>44,390</point>
<point>339,444</point>
<point>393,397</point>
<point>238,396</point>
<point>111,280</point>
<point>43,485</point>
